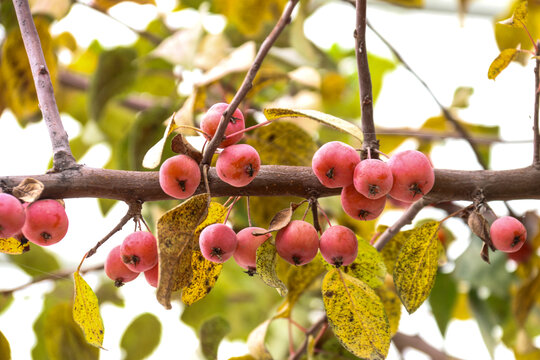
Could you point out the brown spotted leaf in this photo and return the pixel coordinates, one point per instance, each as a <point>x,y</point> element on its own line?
<point>176,230</point>
<point>392,307</point>
<point>29,190</point>
<point>501,62</point>
<point>391,250</point>
<point>519,16</point>
<point>86,311</point>
<point>205,275</point>
<point>266,267</point>
<point>14,245</point>
<point>280,220</point>
<point>216,214</point>
<point>369,266</point>
<point>416,266</point>
<point>356,315</point>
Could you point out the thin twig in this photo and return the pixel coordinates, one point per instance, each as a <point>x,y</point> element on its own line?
<point>403,341</point>
<point>536,156</point>
<point>248,209</point>
<point>247,84</point>
<point>314,204</point>
<point>134,211</point>
<point>312,330</point>
<point>364,79</point>
<point>62,156</point>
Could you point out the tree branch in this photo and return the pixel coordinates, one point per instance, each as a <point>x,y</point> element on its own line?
<point>312,330</point>
<point>536,156</point>
<point>247,84</point>
<point>364,79</point>
<point>62,156</point>
<point>402,341</point>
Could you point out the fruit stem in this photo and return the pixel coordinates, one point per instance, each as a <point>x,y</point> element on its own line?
<point>248,209</point>
<point>324,214</point>
<point>248,129</point>
<point>236,198</point>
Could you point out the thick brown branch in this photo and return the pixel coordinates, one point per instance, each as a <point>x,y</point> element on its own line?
<point>247,84</point>
<point>402,341</point>
<point>62,156</point>
<point>536,156</point>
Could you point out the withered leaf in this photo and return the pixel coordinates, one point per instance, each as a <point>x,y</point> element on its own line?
<point>281,219</point>
<point>479,226</point>
<point>29,190</point>
<point>181,146</point>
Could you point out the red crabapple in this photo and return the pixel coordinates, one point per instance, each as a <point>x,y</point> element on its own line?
<point>245,254</point>
<point>116,269</point>
<point>179,176</point>
<point>373,178</point>
<point>46,222</point>
<point>522,255</point>
<point>360,207</point>
<point>334,163</point>
<point>151,275</point>
<point>413,175</point>
<point>237,165</point>
<point>298,242</point>
<point>12,215</point>
<point>210,122</point>
<point>139,251</point>
<point>339,245</point>
<point>217,242</point>
<point>507,234</point>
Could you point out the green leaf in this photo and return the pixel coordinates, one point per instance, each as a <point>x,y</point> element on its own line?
<point>356,315</point>
<point>205,274</point>
<point>368,266</point>
<point>211,333</point>
<point>501,62</point>
<point>141,337</point>
<point>5,350</point>
<point>37,262</point>
<point>266,267</point>
<point>152,158</point>
<point>108,292</point>
<point>329,120</point>
<point>5,301</point>
<point>442,300</point>
<point>105,205</point>
<point>115,73</point>
<point>416,266</point>
<point>86,311</point>
<point>485,319</point>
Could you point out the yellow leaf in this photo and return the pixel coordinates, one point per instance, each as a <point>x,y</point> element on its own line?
<point>519,17</point>
<point>356,315</point>
<point>391,250</point>
<point>205,275</point>
<point>152,158</point>
<point>5,350</point>
<point>176,231</point>
<point>255,342</point>
<point>329,120</point>
<point>86,312</point>
<point>368,266</point>
<point>416,266</point>
<point>462,309</point>
<point>240,13</point>
<point>107,4</point>
<point>392,307</point>
<point>14,246</point>
<point>501,62</point>
<point>266,267</point>
<point>525,299</point>
<point>407,3</point>
<point>216,214</point>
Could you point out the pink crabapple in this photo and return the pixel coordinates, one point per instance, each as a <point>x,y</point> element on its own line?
<point>210,122</point>
<point>508,234</point>
<point>152,275</point>
<point>413,175</point>
<point>139,251</point>
<point>12,215</point>
<point>246,250</point>
<point>298,242</point>
<point>217,242</point>
<point>373,178</point>
<point>237,165</point>
<point>46,222</point>
<point>116,270</point>
<point>334,163</point>
<point>360,207</point>
<point>179,176</point>
<point>339,245</point>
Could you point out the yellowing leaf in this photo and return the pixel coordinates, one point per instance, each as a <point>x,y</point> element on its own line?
<point>266,267</point>
<point>416,266</point>
<point>519,17</point>
<point>237,13</point>
<point>216,214</point>
<point>501,62</point>
<point>407,3</point>
<point>211,333</point>
<point>205,275</point>
<point>176,229</point>
<point>86,311</point>
<point>462,310</point>
<point>255,342</point>
<point>152,158</point>
<point>5,350</point>
<point>106,4</point>
<point>14,246</point>
<point>391,250</point>
<point>392,307</point>
<point>329,120</point>
<point>368,266</point>
<point>525,299</point>
<point>356,315</point>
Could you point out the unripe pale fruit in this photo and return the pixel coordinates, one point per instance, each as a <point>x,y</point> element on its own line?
<point>413,175</point>
<point>116,269</point>
<point>139,251</point>
<point>339,245</point>
<point>360,207</point>
<point>373,178</point>
<point>334,163</point>
<point>508,234</point>
<point>237,165</point>
<point>152,275</point>
<point>217,242</point>
<point>12,216</point>
<point>46,222</point>
<point>210,123</point>
<point>245,254</point>
<point>298,242</point>
<point>179,176</point>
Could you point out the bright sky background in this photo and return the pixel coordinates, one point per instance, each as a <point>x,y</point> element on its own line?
<point>444,54</point>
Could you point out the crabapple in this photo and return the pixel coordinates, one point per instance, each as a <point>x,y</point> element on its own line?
<point>217,242</point>
<point>12,215</point>
<point>179,176</point>
<point>522,255</point>
<point>237,165</point>
<point>372,178</point>
<point>413,175</point>
<point>508,234</point>
<point>339,245</point>
<point>139,251</point>
<point>334,163</point>
<point>151,275</point>
<point>210,122</point>
<point>116,269</point>
<point>297,243</point>
<point>360,207</point>
<point>246,250</point>
<point>46,222</point>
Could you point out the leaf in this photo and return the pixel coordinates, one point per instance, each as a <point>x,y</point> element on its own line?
<point>280,220</point>
<point>108,292</point>
<point>5,301</point>
<point>180,145</point>
<point>329,120</point>
<point>442,300</point>
<point>216,214</point>
<point>525,299</point>
<point>519,17</point>
<point>211,333</point>
<point>107,4</point>
<point>205,275</point>
<point>392,307</point>
<point>29,190</point>
<point>152,158</point>
<point>461,97</point>
<point>235,11</point>
<point>86,311</point>
<point>14,246</point>
<point>141,337</point>
<point>416,266</point>
<point>5,350</point>
<point>37,262</point>
<point>255,342</point>
<point>356,315</point>
<point>392,249</point>
<point>485,319</point>
<point>501,62</point>
<point>176,229</point>
<point>266,267</point>
<point>407,3</point>
<point>479,226</point>
<point>368,266</point>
